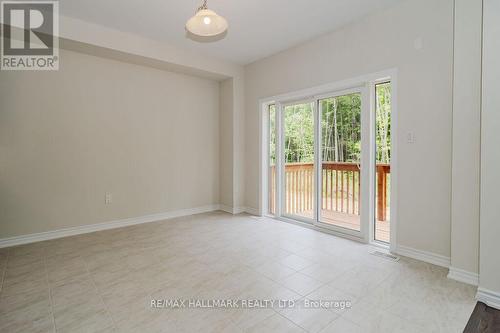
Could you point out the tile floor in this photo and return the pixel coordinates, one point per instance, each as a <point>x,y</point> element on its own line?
<point>105,281</point>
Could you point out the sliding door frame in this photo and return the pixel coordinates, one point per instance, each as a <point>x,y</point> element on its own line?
<point>365,173</point>
<point>282,173</point>
<point>368,152</point>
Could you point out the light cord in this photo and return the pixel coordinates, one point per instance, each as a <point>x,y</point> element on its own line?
<point>202,7</point>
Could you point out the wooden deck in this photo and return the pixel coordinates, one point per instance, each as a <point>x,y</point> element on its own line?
<point>349,221</point>
<point>340,194</point>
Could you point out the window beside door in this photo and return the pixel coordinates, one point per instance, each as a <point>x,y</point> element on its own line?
<point>271,112</point>
<point>382,162</point>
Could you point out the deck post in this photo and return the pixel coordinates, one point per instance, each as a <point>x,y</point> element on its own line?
<point>381,193</point>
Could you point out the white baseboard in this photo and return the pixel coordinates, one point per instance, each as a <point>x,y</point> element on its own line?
<point>252,211</point>
<point>84,229</point>
<point>489,297</point>
<point>429,257</point>
<point>227,209</point>
<point>238,210</point>
<point>464,276</point>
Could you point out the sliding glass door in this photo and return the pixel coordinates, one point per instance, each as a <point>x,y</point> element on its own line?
<point>298,160</point>
<point>341,147</point>
<point>321,142</point>
<point>329,161</point>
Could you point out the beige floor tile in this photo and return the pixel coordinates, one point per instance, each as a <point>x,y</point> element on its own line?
<point>147,322</point>
<point>301,284</point>
<point>310,318</point>
<point>373,319</point>
<point>246,318</point>
<point>359,281</point>
<point>107,275</point>
<point>212,320</point>
<point>283,293</point>
<point>296,262</point>
<point>34,268</point>
<point>128,307</point>
<point>253,287</point>
<point>26,313</point>
<point>3,259</point>
<point>38,300</point>
<point>387,323</point>
<point>342,325</point>
<point>275,324</point>
<point>275,253</point>
<point>275,270</point>
<point>23,270</point>
<point>67,270</point>
<point>122,291</point>
<point>103,259</point>
<point>325,273</point>
<point>12,323</point>
<point>21,260</point>
<point>24,279</point>
<point>431,311</point>
<point>88,317</point>
<point>291,245</point>
<point>105,281</point>
<point>72,293</point>
<point>63,248</point>
<point>34,249</point>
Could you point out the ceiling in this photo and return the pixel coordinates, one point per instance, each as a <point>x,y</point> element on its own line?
<point>257,28</point>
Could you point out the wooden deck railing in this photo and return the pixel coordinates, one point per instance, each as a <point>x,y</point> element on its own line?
<point>340,191</point>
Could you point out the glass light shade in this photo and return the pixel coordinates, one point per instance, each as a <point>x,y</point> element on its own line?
<point>206,23</point>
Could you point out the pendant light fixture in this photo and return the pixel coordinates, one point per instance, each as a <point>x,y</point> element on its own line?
<point>206,22</point>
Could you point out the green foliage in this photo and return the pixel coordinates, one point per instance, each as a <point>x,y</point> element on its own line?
<point>299,133</point>
<point>383,122</point>
<point>340,129</point>
<point>272,134</point>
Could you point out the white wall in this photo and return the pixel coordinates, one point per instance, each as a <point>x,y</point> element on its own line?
<point>239,152</point>
<point>381,41</point>
<point>99,40</point>
<point>149,137</point>
<point>489,279</point>
<point>232,145</point>
<point>466,137</point>
<point>226,145</point>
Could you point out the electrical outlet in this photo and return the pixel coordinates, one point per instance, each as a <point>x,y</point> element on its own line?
<point>108,198</point>
<point>410,138</point>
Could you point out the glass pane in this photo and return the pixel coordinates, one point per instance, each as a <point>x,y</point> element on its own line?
<point>298,151</point>
<point>383,161</point>
<point>272,159</point>
<point>341,156</point>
